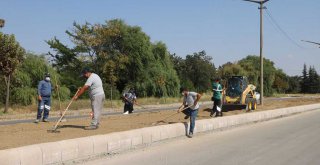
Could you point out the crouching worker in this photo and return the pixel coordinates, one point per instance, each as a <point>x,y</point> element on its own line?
<point>44,98</point>
<point>190,101</point>
<point>97,97</point>
<point>129,98</point>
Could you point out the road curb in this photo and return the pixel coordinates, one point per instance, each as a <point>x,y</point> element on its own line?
<point>86,147</point>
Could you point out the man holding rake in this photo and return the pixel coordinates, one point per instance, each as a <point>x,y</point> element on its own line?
<point>190,100</point>
<point>97,97</point>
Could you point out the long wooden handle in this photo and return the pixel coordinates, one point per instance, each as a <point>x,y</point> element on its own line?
<point>64,112</point>
<point>184,108</point>
<point>58,92</point>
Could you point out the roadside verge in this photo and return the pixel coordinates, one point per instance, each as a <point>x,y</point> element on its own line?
<point>81,148</point>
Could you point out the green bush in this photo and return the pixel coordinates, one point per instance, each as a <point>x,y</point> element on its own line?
<point>64,93</point>
<point>115,93</point>
<point>24,96</point>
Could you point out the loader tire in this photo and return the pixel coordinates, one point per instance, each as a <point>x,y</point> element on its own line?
<point>254,105</point>
<point>249,106</point>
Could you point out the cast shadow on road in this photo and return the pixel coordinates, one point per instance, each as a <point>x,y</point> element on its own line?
<point>207,110</point>
<point>72,126</point>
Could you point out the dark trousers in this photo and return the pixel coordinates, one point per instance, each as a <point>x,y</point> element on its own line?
<point>128,107</point>
<point>44,106</point>
<point>216,104</point>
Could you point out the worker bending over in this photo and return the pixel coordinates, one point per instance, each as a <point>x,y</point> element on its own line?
<point>190,101</point>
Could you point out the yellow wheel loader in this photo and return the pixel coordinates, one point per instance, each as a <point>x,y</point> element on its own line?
<point>239,94</point>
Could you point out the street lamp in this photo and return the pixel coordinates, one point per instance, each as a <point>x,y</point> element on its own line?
<point>2,23</point>
<point>261,45</point>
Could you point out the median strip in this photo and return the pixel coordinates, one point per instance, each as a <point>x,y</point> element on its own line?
<point>86,147</point>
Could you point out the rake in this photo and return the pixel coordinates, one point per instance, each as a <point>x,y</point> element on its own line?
<point>54,129</point>
<point>163,121</point>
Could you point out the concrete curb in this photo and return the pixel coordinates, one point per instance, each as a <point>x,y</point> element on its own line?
<point>85,147</point>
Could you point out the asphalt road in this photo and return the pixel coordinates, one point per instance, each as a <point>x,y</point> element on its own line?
<point>293,140</point>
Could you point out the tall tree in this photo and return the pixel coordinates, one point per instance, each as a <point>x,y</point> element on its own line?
<point>11,55</point>
<point>200,70</point>
<point>294,84</point>
<point>123,55</point>
<point>252,65</point>
<point>231,69</point>
<point>313,81</point>
<point>281,81</point>
<point>304,82</point>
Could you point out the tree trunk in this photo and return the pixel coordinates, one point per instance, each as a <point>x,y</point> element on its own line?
<point>7,94</point>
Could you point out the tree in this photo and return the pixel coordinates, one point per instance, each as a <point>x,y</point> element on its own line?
<point>27,77</point>
<point>196,71</point>
<point>180,67</point>
<point>275,80</point>
<point>11,55</point>
<point>122,55</point>
<point>281,82</point>
<point>294,84</point>
<point>313,81</point>
<point>304,81</point>
<point>201,70</point>
<point>252,65</point>
<point>231,69</point>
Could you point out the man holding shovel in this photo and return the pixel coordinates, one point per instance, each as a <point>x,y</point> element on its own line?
<point>97,97</point>
<point>190,100</point>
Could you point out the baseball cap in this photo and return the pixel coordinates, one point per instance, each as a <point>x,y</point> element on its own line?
<point>84,71</point>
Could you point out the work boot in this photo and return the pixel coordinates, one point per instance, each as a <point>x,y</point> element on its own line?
<point>190,135</point>
<point>91,127</point>
<point>217,114</point>
<point>212,113</point>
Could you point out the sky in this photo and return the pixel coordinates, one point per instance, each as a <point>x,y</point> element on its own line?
<point>228,30</point>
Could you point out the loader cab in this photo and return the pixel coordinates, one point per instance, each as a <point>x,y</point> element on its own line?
<point>236,85</point>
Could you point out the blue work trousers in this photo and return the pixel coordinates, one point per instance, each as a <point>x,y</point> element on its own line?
<point>44,106</point>
<point>193,113</point>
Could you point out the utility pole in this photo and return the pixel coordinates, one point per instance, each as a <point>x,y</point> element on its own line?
<point>261,44</point>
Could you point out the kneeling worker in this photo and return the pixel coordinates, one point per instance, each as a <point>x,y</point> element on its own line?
<point>97,97</point>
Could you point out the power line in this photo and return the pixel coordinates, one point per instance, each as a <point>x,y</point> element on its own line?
<point>275,23</point>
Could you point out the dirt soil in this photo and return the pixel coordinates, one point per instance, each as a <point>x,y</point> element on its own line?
<point>30,133</point>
